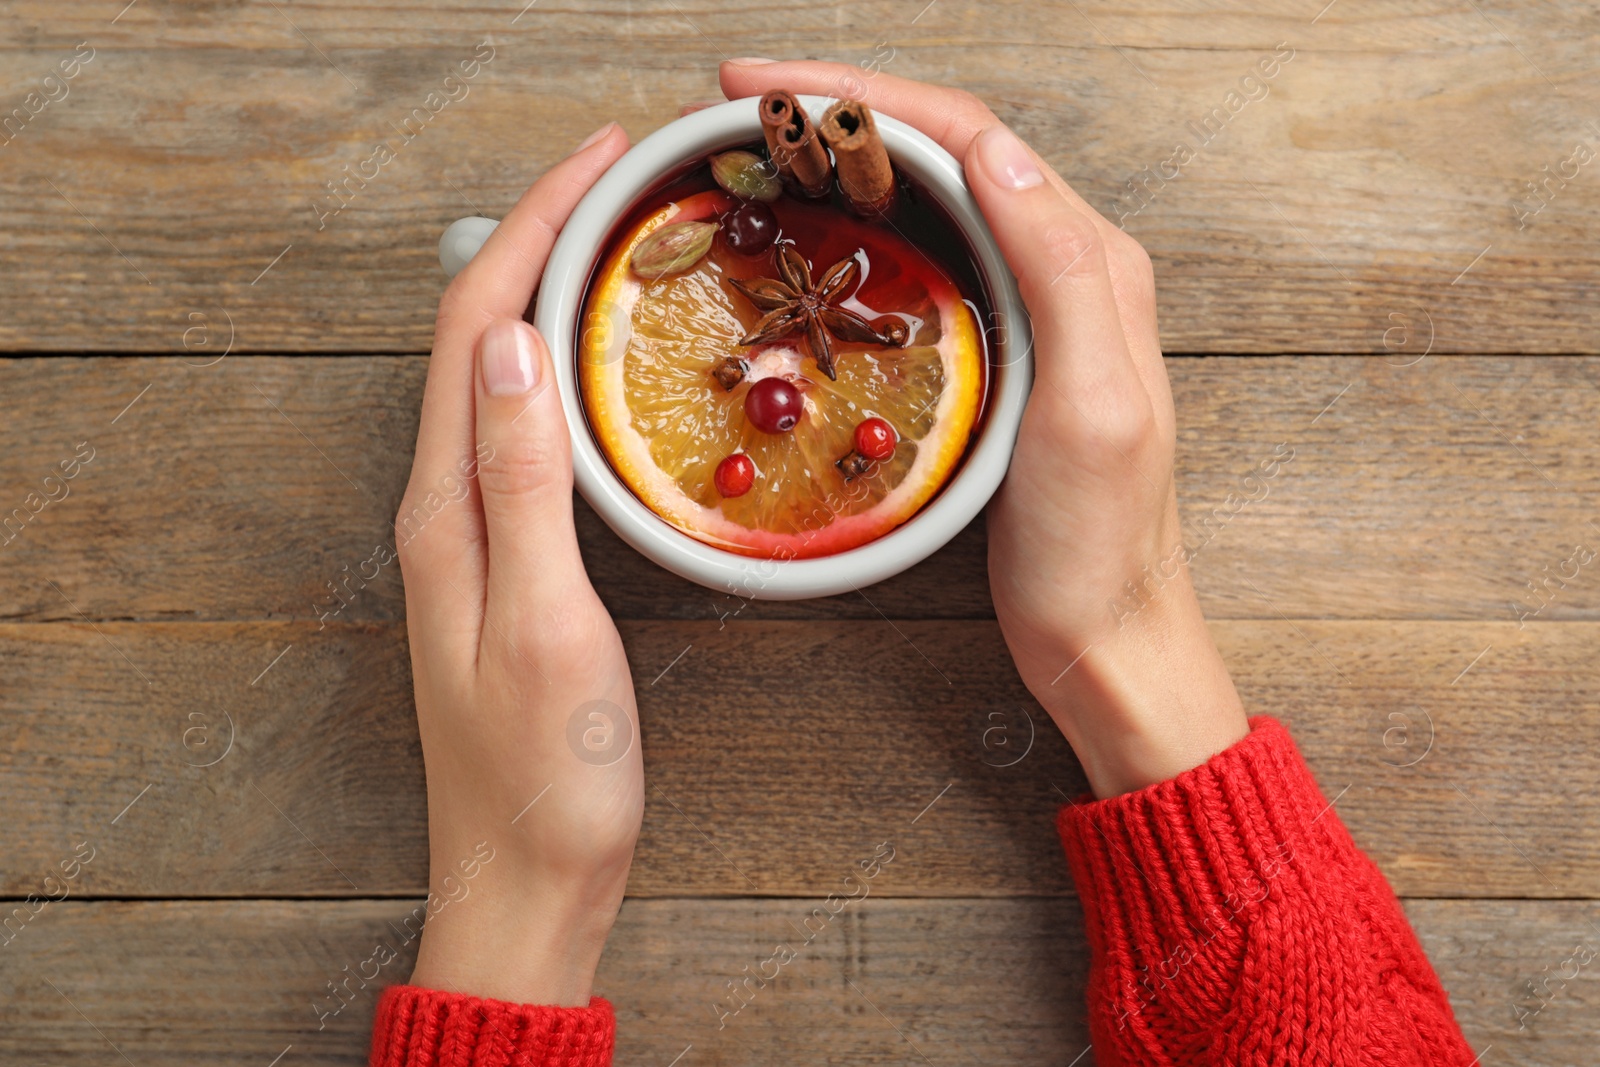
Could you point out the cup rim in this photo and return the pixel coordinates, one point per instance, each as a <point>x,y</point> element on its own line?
<point>957,503</point>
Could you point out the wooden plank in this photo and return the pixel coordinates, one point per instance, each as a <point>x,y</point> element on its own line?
<point>775,752</point>
<point>1519,974</point>
<point>1375,174</point>
<point>239,491</point>
<point>880,983</point>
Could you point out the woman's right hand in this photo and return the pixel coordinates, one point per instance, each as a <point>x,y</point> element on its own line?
<point>1089,505</point>
<point>525,705</point>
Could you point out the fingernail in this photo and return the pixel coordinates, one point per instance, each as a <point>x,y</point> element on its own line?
<point>592,138</point>
<point>1007,160</point>
<point>510,363</point>
<point>751,61</point>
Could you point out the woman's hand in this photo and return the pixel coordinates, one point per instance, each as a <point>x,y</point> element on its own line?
<point>1135,682</point>
<point>524,700</point>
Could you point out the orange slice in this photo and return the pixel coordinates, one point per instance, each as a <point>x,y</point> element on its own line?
<point>648,349</point>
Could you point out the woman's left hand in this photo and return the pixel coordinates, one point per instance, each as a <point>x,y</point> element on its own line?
<point>524,700</point>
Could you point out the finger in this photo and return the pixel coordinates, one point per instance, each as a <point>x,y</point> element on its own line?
<point>524,479</point>
<point>1060,260</point>
<point>444,541</point>
<point>500,279</point>
<point>955,119</point>
<point>698,105</point>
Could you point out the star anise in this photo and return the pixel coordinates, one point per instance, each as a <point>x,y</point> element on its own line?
<point>793,304</point>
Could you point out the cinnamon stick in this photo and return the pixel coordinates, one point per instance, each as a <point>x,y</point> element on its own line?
<point>794,145</point>
<point>865,175</point>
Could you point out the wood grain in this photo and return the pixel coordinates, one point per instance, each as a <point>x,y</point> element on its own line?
<point>239,982</point>
<point>168,698</point>
<point>239,491</point>
<point>775,752</point>
<point>1373,176</point>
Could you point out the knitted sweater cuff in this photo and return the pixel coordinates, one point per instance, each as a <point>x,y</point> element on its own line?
<point>429,1028</point>
<point>1193,856</point>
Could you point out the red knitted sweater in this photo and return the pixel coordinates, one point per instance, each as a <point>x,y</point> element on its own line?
<point>1232,921</point>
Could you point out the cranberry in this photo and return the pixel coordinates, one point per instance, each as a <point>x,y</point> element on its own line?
<point>750,228</point>
<point>735,475</point>
<point>875,439</point>
<point>773,405</point>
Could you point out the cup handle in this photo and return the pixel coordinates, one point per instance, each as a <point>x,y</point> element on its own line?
<point>461,241</point>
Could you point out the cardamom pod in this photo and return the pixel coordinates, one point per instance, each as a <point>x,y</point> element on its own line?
<point>747,175</point>
<point>672,249</point>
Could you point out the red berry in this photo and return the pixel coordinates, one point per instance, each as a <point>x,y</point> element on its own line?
<point>875,439</point>
<point>750,228</point>
<point>773,405</point>
<point>735,475</point>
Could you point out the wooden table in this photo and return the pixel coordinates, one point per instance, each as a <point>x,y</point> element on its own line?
<point>1351,264</point>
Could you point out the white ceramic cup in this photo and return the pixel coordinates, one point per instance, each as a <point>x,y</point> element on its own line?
<point>561,292</point>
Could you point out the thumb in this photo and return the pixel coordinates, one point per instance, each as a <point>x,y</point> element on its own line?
<point>1058,254</point>
<point>524,474</point>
